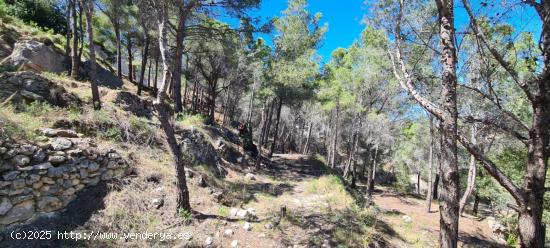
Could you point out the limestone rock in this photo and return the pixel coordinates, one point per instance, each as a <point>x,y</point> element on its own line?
<point>208,241</point>
<point>5,205</point>
<point>19,212</point>
<point>49,204</point>
<point>228,232</point>
<point>61,144</point>
<point>407,219</point>
<point>36,56</point>
<point>67,133</point>
<point>42,166</point>
<point>247,226</point>
<point>21,160</point>
<point>234,243</point>
<point>250,177</point>
<point>27,149</point>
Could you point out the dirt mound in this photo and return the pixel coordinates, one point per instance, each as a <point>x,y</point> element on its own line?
<point>28,86</point>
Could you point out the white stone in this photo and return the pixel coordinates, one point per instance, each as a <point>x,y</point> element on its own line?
<point>228,232</point>
<point>407,219</point>
<point>209,240</point>
<point>247,226</point>
<point>234,243</point>
<point>250,177</point>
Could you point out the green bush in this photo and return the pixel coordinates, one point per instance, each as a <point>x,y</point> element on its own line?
<point>48,14</point>
<point>38,108</point>
<point>7,67</point>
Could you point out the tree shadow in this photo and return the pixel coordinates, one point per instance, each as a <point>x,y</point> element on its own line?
<point>76,214</point>
<point>477,241</point>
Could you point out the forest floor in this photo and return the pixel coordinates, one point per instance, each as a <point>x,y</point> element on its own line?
<point>320,212</point>
<point>422,230</point>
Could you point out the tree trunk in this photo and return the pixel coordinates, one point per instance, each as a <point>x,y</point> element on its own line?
<point>144,64</point>
<point>75,63</point>
<point>89,5</point>
<point>429,194</point>
<point>471,176</point>
<point>260,141</point>
<point>269,120</point>
<point>68,37</point>
<point>81,32</point>
<point>162,108</point>
<point>372,178</point>
<point>149,75</point>
<point>178,59</point>
<point>476,204</point>
<point>130,60</point>
<point>155,88</point>
<point>335,137</point>
<point>435,188</point>
<point>118,50</point>
<point>306,146</point>
<point>448,223</point>
<point>418,182</point>
<point>277,122</point>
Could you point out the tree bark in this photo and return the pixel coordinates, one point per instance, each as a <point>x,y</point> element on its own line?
<point>89,5</point>
<point>162,108</point>
<point>130,60</point>
<point>471,176</point>
<point>155,86</point>
<point>260,141</point>
<point>335,136</point>
<point>75,63</point>
<point>118,50</point>
<point>429,195</point>
<point>178,59</point>
<point>306,145</point>
<point>68,37</point>
<point>277,122</point>
<point>144,64</point>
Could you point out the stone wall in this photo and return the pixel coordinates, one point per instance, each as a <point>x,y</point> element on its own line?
<point>43,177</point>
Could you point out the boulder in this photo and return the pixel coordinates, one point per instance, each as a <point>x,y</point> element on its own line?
<point>250,177</point>
<point>247,226</point>
<point>19,212</point>
<point>234,243</point>
<point>198,150</point>
<point>36,56</point>
<point>27,86</point>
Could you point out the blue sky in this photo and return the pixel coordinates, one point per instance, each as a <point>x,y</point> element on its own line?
<point>345,26</point>
<point>343,18</point>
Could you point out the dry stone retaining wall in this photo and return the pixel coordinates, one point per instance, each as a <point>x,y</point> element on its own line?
<point>41,178</point>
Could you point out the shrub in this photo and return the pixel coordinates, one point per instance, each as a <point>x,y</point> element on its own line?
<point>38,108</point>
<point>190,120</point>
<point>45,13</point>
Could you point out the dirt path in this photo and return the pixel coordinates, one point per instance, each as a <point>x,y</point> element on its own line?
<point>423,228</point>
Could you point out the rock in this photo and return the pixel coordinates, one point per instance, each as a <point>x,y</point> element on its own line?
<point>56,159</point>
<point>19,212</point>
<point>36,56</point>
<point>39,156</point>
<point>228,232</point>
<point>26,168</point>
<point>209,240</point>
<point>60,144</point>
<point>50,190</point>
<point>133,103</point>
<point>20,160</point>
<point>43,166</point>
<point>21,198</point>
<point>201,182</point>
<point>33,178</point>
<point>247,226</point>
<point>108,175</point>
<point>407,219</point>
<point>10,175</point>
<point>233,212</point>
<point>37,185</point>
<point>17,184</point>
<point>3,150</point>
<point>234,243</point>
<point>268,226</point>
<point>49,204</point>
<point>113,155</point>
<point>5,205</point>
<point>67,133</point>
<point>27,149</point>
<point>57,171</point>
<point>4,184</point>
<point>250,177</point>
<point>157,203</point>
<point>248,213</point>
